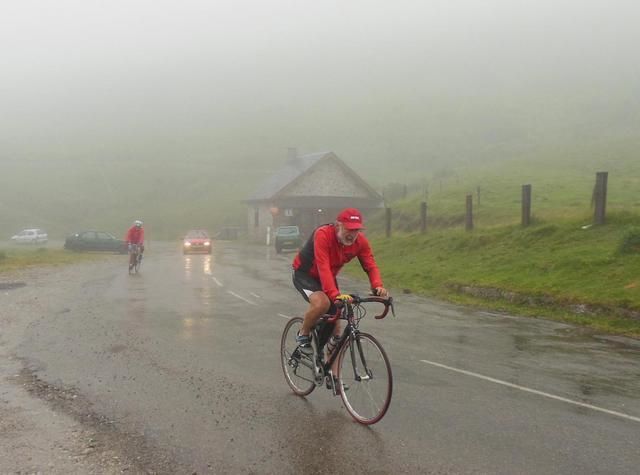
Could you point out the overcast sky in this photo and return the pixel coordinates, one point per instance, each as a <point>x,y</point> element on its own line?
<point>239,77</point>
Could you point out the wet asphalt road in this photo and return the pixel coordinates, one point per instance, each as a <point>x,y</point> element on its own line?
<point>186,355</point>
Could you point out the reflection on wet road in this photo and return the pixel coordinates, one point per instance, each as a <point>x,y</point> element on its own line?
<point>205,261</point>
<point>199,266</point>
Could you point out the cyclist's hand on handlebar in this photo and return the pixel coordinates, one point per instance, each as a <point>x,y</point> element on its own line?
<point>343,298</point>
<point>381,292</point>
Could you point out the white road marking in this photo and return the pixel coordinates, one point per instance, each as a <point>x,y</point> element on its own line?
<point>241,297</point>
<point>218,283</point>
<point>255,295</point>
<point>285,316</point>
<point>534,391</point>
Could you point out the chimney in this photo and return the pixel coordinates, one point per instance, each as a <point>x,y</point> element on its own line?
<point>292,154</point>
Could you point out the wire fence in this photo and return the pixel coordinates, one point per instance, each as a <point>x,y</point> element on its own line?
<point>417,215</point>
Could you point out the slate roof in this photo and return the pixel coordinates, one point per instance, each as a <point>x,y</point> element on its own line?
<point>291,170</point>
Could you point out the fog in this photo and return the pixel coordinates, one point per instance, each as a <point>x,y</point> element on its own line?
<point>391,87</point>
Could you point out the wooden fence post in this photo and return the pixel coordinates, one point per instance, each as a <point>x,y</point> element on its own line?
<point>423,217</point>
<point>600,197</point>
<point>526,205</point>
<point>388,222</point>
<point>468,222</point>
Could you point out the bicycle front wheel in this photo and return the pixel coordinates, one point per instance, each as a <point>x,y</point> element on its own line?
<point>298,369</point>
<point>365,379</point>
<point>131,263</point>
<point>138,263</point>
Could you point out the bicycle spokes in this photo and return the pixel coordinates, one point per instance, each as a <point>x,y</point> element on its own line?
<point>368,373</point>
<point>299,369</point>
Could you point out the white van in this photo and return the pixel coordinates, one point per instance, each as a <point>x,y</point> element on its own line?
<point>31,236</point>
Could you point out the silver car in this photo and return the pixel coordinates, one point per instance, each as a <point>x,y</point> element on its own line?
<point>31,236</point>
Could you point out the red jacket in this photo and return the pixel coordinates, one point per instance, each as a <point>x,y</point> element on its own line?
<point>135,235</point>
<point>323,256</point>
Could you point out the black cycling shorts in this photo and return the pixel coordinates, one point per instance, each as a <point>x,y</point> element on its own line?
<point>306,285</point>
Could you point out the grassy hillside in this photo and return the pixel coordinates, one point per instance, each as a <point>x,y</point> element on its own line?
<point>67,194</point>
<point>77,194</point>
<point>560,267</point>
<point>562,180</point>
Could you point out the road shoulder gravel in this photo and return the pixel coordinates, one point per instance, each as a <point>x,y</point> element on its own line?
<point>47,428</point>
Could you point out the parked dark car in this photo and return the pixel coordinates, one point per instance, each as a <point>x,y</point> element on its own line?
<point>95,241</point>
<point>287,237</point>
<point>196,240</point>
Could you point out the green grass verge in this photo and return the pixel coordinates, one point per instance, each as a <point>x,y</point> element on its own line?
<point>561,266</point>
<point>15,259</point>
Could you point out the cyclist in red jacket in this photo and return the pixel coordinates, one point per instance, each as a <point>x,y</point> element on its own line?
<point>315,268</point>
<point>135,235</point>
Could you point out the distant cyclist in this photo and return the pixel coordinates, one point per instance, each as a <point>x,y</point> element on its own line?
<point>317,264</point>
<point>135,235</point>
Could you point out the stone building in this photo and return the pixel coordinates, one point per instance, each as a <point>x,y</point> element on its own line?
<point>309,190</point>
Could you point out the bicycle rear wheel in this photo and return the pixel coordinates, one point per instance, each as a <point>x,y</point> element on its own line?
<point>298,369</point>
<point>364,367</point>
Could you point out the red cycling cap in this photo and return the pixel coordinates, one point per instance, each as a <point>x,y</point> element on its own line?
<point>351,218</point>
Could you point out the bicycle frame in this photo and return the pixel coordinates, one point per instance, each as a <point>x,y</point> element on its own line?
<point>350,333</point>
<point>134,256</point>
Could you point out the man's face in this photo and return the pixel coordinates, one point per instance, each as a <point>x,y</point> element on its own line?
<point>347,237</point>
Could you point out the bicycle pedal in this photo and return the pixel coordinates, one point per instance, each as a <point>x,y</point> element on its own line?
<point>298,355</point>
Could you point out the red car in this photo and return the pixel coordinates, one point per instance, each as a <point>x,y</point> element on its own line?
<point>196,241</point>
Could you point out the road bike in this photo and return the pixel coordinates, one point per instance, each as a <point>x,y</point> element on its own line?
<point>135,258</point>
<point>364,380</point>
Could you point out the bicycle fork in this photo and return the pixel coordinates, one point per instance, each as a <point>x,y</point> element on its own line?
<point>357,348</point>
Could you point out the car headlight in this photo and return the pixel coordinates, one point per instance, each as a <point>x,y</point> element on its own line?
<point>187,244</point>
<point>207,243</point>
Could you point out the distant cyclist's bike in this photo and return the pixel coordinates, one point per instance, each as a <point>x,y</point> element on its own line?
<point>135,258</point>
<point>364,380</point>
